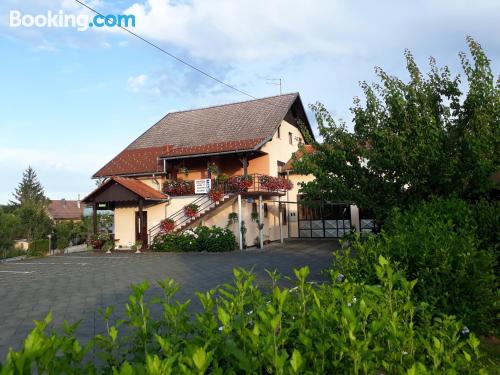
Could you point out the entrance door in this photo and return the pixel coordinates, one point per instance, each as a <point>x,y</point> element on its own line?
<point>141,227</point>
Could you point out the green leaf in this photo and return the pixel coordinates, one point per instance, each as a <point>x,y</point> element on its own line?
<point>296,361</point>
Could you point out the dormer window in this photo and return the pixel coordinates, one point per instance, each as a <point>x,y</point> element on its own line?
<point>290,138</point>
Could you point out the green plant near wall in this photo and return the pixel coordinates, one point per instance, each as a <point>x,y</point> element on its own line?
<point>339,327</point>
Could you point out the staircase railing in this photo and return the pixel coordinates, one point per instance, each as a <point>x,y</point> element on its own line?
<point>180,219</point>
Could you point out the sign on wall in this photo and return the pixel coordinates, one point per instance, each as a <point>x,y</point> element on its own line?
<point>202,186</point>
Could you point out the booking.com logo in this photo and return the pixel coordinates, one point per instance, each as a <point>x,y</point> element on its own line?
<point>60,19</point>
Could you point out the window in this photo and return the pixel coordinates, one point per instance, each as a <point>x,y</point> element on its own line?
<point>279,131</point>
<point>285,216</point>
<point>266,210</point>
<point>280,167</point>
<point>290,138</point>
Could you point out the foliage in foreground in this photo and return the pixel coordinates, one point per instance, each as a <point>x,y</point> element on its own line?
<point>336,327</point>
<point>437,244</point>
<point>201,238</point>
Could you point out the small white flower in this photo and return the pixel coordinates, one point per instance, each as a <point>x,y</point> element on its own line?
<point>354,299</point>
<point>405,353</point>
<point>221,328</point>
<point>465,330</point>
<point>348,304</point>
<point>250,312</point>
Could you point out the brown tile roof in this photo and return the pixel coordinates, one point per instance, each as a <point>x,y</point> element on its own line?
<point>307,149</point>
<point>134,161</point>
<point>65,210</point>
<point>140,188</point>
<point>135,186</point>
<point>239,126</point>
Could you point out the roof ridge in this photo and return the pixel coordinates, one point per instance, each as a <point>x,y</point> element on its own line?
<point>232,103</point>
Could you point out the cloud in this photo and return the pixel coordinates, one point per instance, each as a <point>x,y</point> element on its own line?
<point>137,83</point>
<point>283,29</point>
<point>19,157</point>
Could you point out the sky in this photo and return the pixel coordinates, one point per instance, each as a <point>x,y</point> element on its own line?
<point>71,100</point>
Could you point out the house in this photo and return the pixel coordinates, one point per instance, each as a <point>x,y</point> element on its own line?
<point>65,210</point>
<point>242,149</point>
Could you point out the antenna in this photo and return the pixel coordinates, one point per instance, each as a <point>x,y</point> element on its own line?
<point>275,81</point>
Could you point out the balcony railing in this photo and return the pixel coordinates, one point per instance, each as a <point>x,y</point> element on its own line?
<point>250,183</point>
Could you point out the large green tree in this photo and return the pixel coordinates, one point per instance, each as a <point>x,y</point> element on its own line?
<point>31,207</point>
<point>436,134</point>
<point>29,190</point>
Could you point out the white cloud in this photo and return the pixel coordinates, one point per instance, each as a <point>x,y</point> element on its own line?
<point>137,83</point>
<point>282,29</point>
<point>19,157</point>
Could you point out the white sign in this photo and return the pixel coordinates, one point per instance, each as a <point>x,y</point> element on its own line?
<point>202,186</point>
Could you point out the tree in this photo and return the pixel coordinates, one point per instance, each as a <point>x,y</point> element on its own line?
<point>29,190</point>
<point>31,207</point>
<point>411,140</point>
<point>8,228</point>
<point>34,222</point>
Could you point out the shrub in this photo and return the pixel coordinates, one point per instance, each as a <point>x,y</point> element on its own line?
<point>340,327</point>
<point>202,238</point>
<point>435,243</point>
<point>38,247</point>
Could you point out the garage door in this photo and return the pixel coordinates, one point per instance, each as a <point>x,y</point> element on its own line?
<point>322,220</point>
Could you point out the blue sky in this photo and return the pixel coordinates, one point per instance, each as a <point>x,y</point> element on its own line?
<point>72,99</point>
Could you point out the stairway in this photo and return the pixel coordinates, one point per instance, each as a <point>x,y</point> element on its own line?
<point>205,208</point>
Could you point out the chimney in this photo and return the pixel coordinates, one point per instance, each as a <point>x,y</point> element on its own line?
<point>78,201</point>
<point>63,201</point>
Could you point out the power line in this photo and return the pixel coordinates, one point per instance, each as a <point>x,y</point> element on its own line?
<point>171,55</point>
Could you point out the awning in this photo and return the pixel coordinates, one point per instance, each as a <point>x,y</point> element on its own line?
<point>121,189</point>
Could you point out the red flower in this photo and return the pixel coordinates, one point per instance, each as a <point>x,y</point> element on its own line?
<point>167,225</point>
<point>275,183</point>
<point>215,195</point>
<point>191,210</point>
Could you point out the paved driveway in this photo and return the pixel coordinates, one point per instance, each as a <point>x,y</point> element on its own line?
<point>74,286</point>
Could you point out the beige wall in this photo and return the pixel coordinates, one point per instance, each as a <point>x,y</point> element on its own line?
<point>279,148</point>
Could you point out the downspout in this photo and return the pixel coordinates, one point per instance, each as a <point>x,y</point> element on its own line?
<point>288,206</point>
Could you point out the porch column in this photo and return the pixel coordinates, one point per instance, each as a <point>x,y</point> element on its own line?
<point>245,164</point>
<point>239,222</point>
<point>279,219</point>
<point>141,226</point>
<point>261,223</point>
<point>94,217</point>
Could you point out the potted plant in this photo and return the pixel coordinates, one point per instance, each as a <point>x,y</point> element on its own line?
<point>215,195</point>
<point>191,210</point>
<point>167,225</point>
<point>241,183</point>
<point>212,169</point>
<point>98,240</point>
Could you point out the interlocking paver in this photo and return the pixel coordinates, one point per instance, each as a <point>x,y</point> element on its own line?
<point>74,286</point>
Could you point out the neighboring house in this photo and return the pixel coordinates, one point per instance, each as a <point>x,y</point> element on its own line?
<point>65,210</point>
<point>171,163</point>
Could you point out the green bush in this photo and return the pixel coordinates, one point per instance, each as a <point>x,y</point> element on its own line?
<point>435,243</point>
<point>201,238</point>
<point>38,247</point>
<point>340,327</point>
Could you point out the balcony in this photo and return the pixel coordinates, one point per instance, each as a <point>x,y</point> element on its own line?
<point>248,185</point>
